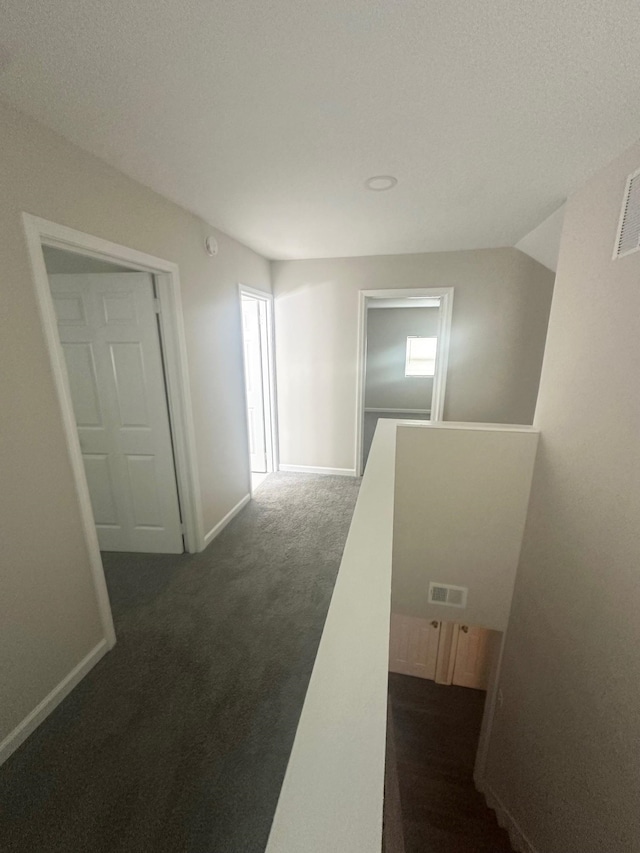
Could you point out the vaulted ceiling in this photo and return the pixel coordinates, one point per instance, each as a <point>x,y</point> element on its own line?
<point>267,117</point>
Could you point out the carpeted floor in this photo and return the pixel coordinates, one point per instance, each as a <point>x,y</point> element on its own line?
<point>178,740</point>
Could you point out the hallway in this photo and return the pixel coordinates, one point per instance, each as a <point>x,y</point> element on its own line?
<point>178,740</point>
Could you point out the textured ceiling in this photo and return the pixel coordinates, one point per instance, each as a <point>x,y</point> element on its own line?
<point>266,117</point>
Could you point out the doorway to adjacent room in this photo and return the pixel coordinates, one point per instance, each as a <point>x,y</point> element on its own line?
<point>132,395</point>
<point>402,358</point>
<point>257,336</point>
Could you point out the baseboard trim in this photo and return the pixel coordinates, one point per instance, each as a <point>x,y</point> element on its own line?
<point>220,526</point>
<point>519,840</point>
<point>310,469</point>
<point>31,722</point>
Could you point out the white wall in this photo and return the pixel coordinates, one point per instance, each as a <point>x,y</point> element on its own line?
<point>331,800</point>
<point>386,385</point>
<point>500,312</point>
<point>565,746</point>
<point>48,615</point>
<point>461,497</point>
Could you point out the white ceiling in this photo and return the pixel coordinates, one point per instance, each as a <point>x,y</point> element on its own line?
<point>266,117</point>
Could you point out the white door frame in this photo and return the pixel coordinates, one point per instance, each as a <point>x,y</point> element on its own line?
<point>271,419</point>
<point>445,294</point>
<point>40,232</point>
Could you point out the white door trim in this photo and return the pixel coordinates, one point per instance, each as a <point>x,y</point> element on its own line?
<point>445,294</point>
<point>39,232</point>
<point>273,460</point>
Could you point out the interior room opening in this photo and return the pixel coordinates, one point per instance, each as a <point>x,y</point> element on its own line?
<point>404,360</point>
<point>107,323</point>
<point>259,383</point>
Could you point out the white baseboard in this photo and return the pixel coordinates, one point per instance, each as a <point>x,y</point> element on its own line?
<point>220,526</point>
<point>42,710</point>
<point>310,469</point>
<point>519,840</point>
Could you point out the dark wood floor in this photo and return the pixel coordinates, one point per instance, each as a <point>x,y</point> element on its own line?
<point>436,730</point>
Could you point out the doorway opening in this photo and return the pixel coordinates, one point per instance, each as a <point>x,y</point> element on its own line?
<point>131,303</point>
<point>403,357</point>
<point>258,351</point>
<point>107,318</point>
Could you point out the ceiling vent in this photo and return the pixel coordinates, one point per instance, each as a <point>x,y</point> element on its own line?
<point>444,593</point>
<point>628,239</point>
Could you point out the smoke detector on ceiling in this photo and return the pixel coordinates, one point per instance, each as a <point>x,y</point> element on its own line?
<point>379,183</point>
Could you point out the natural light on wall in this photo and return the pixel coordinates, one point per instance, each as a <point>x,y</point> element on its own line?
<point>421,356</point>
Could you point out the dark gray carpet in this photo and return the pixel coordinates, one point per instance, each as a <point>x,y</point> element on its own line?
<point>178,740</point>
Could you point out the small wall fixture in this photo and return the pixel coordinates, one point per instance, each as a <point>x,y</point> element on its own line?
<point>379,183</point>
<point>211,246</point>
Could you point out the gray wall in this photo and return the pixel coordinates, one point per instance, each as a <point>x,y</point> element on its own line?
<point>500,313</point>
<point>565,748</point>
<point>48,614</point>
<point>387,330</point>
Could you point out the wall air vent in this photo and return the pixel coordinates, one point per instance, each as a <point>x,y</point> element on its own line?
<point>628,239</point>
<point>444,593</point>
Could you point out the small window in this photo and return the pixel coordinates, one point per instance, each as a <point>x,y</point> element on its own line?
<point>421,356</point>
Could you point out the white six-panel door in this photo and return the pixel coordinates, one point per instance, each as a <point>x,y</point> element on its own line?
<point>109,334</point>
<point>254,365</point>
